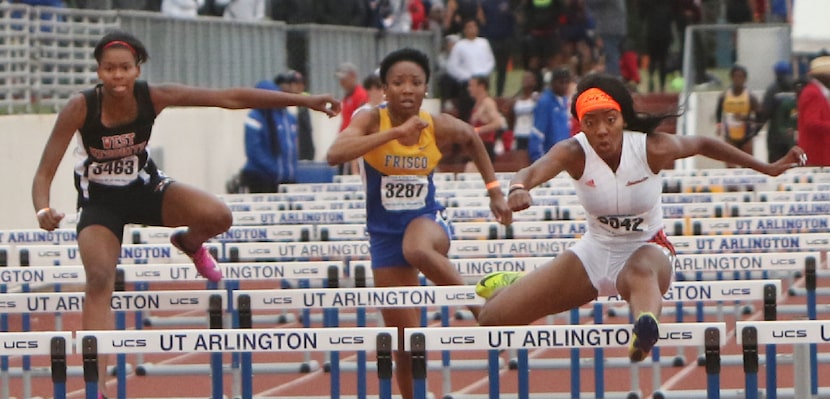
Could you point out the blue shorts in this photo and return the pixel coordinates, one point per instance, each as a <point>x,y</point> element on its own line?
<point>387,249</point>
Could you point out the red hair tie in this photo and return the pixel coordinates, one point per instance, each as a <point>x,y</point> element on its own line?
<point>120,43</point>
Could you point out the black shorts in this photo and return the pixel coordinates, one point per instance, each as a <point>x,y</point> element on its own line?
<point>114,207</point>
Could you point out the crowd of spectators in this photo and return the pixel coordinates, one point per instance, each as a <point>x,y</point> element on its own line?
<point>547,39</point>
<point>620,37</point>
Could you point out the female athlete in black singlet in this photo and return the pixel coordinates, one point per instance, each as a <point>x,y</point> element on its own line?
<point>117,181</point>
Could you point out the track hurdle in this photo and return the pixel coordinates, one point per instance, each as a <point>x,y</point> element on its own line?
<point>799,333</point>
<point>93,343</point>
<point>328,299</point>
<point>268,233</point>
<point>63,302</point>
<point>49,343</point>
<point>422,340</point>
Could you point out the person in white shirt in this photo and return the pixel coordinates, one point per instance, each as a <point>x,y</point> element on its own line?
<point>243,10</point>
<point>523,105</point>
<point>181,8</point>
<point>470,56</point>
<point>615,165</point>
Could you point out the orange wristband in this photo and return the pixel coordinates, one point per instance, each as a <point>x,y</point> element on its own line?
<point>493,184</point>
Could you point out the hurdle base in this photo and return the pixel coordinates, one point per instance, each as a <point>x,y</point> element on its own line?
<point>801,309</point>
<point>608,395</point>
<point>341,317</point>
<point>432,365</point>
<point>782,393</point>
<point>780,358</point>
<point>430,395</point>
<point>801,291</point>
<point>46,372</point>
<point>610,362</point>
<point>146,369</point>
<point>709,310</point>
<point>202,321</point>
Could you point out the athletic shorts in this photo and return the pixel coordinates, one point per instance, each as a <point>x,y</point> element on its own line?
<point>387,249</point>
<point>603,261</point>
<point>114,207</point>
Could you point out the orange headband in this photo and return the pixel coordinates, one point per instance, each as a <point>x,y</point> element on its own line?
<point>120,43</point>
<point>594,99</point>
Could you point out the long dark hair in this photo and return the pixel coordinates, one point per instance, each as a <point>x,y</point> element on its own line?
<point>132,43</point>
<point>614,87</point>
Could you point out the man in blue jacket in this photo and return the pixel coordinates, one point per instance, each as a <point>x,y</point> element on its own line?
<point>270,146</point>
<point>552,115</point>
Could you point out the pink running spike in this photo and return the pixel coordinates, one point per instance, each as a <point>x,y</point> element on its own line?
<point>202,259</point>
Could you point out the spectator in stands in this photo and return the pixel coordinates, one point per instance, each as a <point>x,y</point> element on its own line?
<point>781,11</point>
<point>485,117</point>
<point>270,147</point>
<point>499,31</point>
<point>293,11</point>
<point>118,182</point>
<point>458,12</point>
<point>686,12</point>
<point>395,16</point>
<point>243,10</point>
<point>814,113</point>
<point>552,115</point>
<point>42,3</point>
<point>293,82</point>
<point>355,96</point>
<point>541,36</point>
<point>145,5</point>
<point>417,15</point>
<point>340,12</point>
<point>435,19</point>
<point>212,8</point>
<point>611,28</point>
<point>180,8</point>
<point>740,11</point>
<point>736,111</point>
<point>374,90</point>
<point>630,66</point>
<point>89,4</point>
<point>448,87</point>
<point>691,12</point>
<point>48,18</point>
<point>399,147</point>
<point>615,165</point>
<point>524,104</point>
<point>658,17</point>
<point>578,37</point>
<point>779,107</point>
<point>470,56</point>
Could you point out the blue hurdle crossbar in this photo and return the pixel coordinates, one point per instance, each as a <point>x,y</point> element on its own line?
<point>421,340</point>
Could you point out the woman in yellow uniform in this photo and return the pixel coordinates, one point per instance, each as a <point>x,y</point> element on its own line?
<point>736,112</point>
<point>401,145</point>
